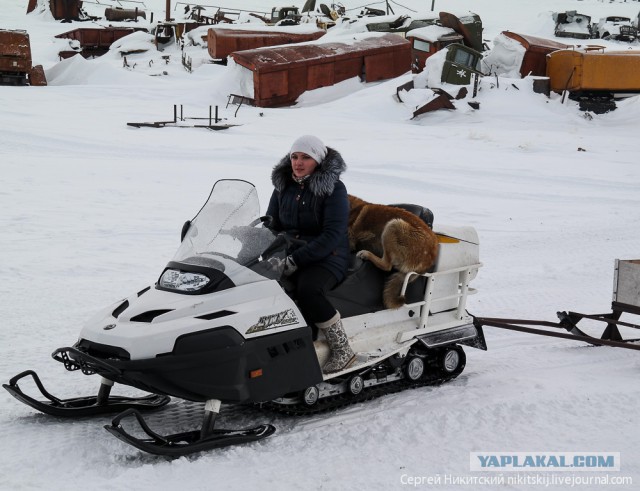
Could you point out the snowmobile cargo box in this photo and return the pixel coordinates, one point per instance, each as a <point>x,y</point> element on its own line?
<point>534,61</point>
<point>594,70</point>
<point>222,42</point>
<point>281,74</point>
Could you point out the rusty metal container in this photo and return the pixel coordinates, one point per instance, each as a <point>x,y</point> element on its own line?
<point>37,77</point>
<point>469,27</point>
<point>281,74</point>
<point>15,57</point>
<point>120,14</point>
<point>15,51</point>
<point>65,9</point>
<point>222,42</point>
<point>594,70</point>
<point>95,41</point>
<point>534,61</point>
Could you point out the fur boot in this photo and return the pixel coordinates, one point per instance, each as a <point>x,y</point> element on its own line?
<point>341,355</point>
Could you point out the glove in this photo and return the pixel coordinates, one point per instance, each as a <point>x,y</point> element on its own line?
<point>276,265</point>
<point>290,266</point>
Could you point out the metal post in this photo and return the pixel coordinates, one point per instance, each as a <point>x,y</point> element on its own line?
<point>175,113</point>
<point>433,3</point>
<point>217,115</point>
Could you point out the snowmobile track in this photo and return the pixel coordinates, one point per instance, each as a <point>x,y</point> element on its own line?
<point>347,399</point>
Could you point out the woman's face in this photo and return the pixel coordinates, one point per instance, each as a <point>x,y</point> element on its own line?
<point>302,164</point>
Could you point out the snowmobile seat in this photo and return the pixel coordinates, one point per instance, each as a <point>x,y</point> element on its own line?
<point>425,214</point>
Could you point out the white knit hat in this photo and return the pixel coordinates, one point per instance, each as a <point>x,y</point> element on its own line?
<point>312,146</point>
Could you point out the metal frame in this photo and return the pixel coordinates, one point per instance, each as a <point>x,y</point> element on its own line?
<point>463,291</point>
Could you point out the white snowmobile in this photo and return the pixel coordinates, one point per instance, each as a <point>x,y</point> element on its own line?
<point>218,326</point>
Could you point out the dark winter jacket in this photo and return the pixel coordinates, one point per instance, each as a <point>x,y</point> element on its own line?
<point>316,211</point>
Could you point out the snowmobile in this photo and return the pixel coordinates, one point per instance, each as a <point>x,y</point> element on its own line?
<point>219,326</point>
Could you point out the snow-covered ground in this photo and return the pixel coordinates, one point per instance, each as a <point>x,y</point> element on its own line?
<point>92,211</point>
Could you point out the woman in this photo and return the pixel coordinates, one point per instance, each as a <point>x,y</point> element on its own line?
<point>310,203</point>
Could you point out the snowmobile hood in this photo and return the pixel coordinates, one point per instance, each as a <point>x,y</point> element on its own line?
<point>149,325</point>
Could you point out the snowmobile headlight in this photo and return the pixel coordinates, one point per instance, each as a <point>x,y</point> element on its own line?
<point>183,281</point>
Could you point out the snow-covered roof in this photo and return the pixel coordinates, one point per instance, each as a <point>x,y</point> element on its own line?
<point>431,33</point>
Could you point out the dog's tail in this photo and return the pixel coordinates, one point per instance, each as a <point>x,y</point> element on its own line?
<point>391,295</point>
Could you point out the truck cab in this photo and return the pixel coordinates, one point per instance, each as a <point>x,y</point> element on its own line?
<point>285,15</point>
<point>426,41</point>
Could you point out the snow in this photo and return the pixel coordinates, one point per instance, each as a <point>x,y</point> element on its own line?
<point>92,211</point>
<point>430,33</point>
<point>505,57</point>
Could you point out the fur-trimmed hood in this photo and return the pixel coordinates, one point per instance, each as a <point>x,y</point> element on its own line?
<point>322,180</point>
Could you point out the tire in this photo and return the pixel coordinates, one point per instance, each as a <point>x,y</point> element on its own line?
<point>356,385</point>
<point>414,369</point>
<point>310,396</point>
<point>451,359</point>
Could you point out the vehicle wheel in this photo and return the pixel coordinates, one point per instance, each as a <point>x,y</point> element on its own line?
<point>356,384</point>
<point>450,360</point>
<point>311,395</point>
<point>415,369</point>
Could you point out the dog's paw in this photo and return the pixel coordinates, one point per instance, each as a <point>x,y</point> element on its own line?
<point>364,255</point>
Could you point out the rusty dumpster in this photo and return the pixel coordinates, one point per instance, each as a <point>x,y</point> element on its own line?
<point>281,74</point>
<point>222,42</point>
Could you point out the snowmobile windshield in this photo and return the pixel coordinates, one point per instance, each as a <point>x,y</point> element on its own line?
<point>226,236</point>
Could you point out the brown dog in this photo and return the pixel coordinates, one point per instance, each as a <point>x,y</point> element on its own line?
<point>391,237</point>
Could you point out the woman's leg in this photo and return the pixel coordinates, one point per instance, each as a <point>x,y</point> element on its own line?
<point>313,284</point>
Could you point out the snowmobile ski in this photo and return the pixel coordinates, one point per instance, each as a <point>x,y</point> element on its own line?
<point>187,442</point>
<point>78,407</point>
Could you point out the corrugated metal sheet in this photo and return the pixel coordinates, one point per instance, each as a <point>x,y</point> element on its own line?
<point>282,74</point>
<point>222,42</point>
